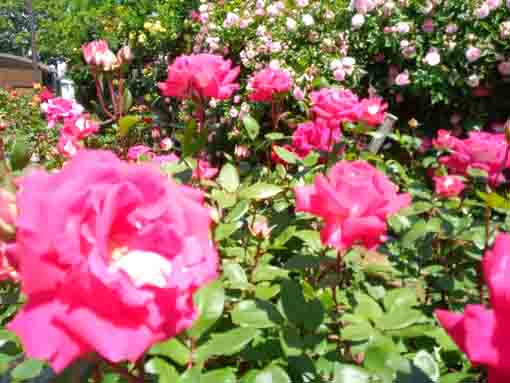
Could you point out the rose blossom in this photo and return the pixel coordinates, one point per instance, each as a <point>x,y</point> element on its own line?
<point>58,109</point>
<point>372,111</point>
<point>166,144</point>
<point>357,21</point>
<point>79,127</point>
<point>315,136</point>
<point>335,105</point>
<point>448,186</point>
<point>481,150</point>
<point>101,227</point>
<point>354,200</point>
<point>504,68</point>
<point>428,26</point>
<point>402,79</point>
<point>204,170</point>
<point>473,54</point>
<point>432,58</point>
<point>482,333</point>
<point>202,75</point>
<point>269,82</point>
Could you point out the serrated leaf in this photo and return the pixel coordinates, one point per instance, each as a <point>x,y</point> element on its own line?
<point>172,349</point>
<point>260,191</point>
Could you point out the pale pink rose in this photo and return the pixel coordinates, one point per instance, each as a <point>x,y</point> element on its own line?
<point>448,186</point>
<point>403,79</point>
<point>260,228</point>
<point>432,58</point>
<point>403,27</point>
<point>357,21</point>
<point>298,94</point>
<point>473,54</point>
<point>504,68</point>
<point>335,105</point>
<point>354,200</point>
<point>267,83</point>
<point>201,75</point>
<point>125,55</point>
<point>166,144</point>
<point>451,28</point>
<point>125,233</point>
<point>428,26</point>
<point>93,51</point>
<point>483,11</point>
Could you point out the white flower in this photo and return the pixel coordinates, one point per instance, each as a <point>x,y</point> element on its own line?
<point>308,20</point>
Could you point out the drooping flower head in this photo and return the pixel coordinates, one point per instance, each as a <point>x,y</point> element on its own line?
<point>202,75</point>
<point>269,82</point>
<point>101,227</point>
<point>354,200</point>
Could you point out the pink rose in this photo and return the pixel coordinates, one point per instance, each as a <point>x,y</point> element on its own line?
<point>79,127</point>
<point>7,262</point>
<point>482,333</point>
<point>123,233</point>
<point>504,68</point>
<point>432,58</point>
<point>201,75</point>
<point>135,152</point>
<point>354,200</point>
<point>68,146</point>
<point>316,135</point>
<point>166,144</point>
<point>448,186</point>
<point>445,140</point>
<point>204,171</point>
<point>59,109</point>
<point>481,150</point>
<point>402,79</point>
<point>269,82</point>
<point>93,51</point>
<point>428,26</point>
<point>372,111</point>
<point>473,54</point>
<point>335,105</point>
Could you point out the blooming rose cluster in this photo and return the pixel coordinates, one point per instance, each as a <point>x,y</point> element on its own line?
<point>101,227</point>
<point>200,76</point>
<point>76,124</point>
<point>354,200</point>
<point>479,332</point>
<point>98,55</point>
<point>481,150</point>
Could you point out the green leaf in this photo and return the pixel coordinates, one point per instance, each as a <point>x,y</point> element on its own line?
<point>225,230</point>
<point>166,372</point>
<point>20,155</point>
<point>399,319</point>
<point>235,275</point>
<point>126,123</point>
<point>127,100</point>
<point>455,377</point>
<point>293,301</point>
<point>302,262</point>
<point>225,375</point>
<point>27,369</point>
<point>227,343</point>
<point>358,331</point>
<point>395,299</point>
<point>286,155</point>
<point>252,127</point>
<point>239,211</point>
<point>345,373</point>
<point>228,178</point>
<point>425,362</point>
<point>268,273</point>
<point>272,374</point>
<point>260,191</point>
<point>172,349</point>
<point>419,230</point>
<point>209,301</point>
<point>367,307</point>
<point>256,314</point>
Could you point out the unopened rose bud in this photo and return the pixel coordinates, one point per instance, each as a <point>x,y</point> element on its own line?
<point>260,228</point>
<point>125,55</point>
<point>241,152</point>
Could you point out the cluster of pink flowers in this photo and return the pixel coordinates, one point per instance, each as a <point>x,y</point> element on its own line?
<point>120,231</point>
<point>479,332</point>
<point>354,200</point>
<point>202,76</point>
<point>481,150</point>
<point>98,55</point>
<point>337,106</point>
<point>268,82</point>
<point>76,124</point>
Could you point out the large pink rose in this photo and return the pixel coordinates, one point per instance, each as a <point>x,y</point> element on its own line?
<point>93,51</point>
<point>336,105</point>
<point>482,334</point>
<point>110,255</point>
<point>315,136</point>
<point>481,150</point>
<point>202,75</point>
<point>80,127</point>
<point>354,200</point>
<point>372,111</point>
<point>269,82</point>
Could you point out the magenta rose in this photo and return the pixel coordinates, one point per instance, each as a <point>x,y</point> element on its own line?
<point>315,136</point>
<point>481,333</point>
<point>335,105</point>
<point>201,75</point>
<point>269,82</point>
<point>354,200</point>
<point>110,255</point>
<point>448,186</point>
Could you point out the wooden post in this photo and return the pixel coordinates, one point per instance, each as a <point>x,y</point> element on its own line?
<point>381,134</point>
